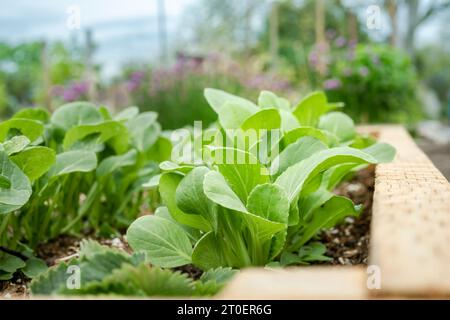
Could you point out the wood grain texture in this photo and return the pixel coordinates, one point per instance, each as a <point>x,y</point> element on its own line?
<point>410,231</point>
<point>298,283</point>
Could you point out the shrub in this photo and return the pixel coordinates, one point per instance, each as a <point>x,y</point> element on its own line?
<point>376,83</point>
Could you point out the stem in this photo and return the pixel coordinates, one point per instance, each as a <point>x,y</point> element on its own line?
<point>3,227</point>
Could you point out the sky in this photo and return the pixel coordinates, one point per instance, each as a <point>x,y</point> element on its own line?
<point>122,30</point>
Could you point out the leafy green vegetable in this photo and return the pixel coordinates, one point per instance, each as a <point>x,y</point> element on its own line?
<point>107,271</point>
<point>77,169</point>
<point>260,202</point>
<point>15,188</point>
<point>166,244</point>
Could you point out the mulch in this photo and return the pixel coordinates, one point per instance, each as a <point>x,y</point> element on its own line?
<point>348,243</point>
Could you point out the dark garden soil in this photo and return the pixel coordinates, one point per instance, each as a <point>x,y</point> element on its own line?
<point>347,244</point>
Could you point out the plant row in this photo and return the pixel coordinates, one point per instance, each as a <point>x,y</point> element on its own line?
<point>255,190</point>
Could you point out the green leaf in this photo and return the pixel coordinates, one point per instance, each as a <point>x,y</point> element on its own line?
<point>102,131</point>
<point>106,115</point>
<point>5,183</point>
<point>153,182</point>
<point>213,280</point>
<point>127,114</point>
<point>166,244</point>
<point>326,137</point>
<point>218,191</point>
<point>73,161</point>
<point>220,275</point>
<point>232,115</point>
<point>16,144</point>
<point>217,98</point>
<point>52,281</point>
<point>383,152</point>
<point>112,163</point>
<point>5,276</point>
<point>10,263</point>
<point>242,178</point>
<point>75,114</point>
<point>294,178</point>
<point>34,161</point>
<point>311,108</point>
<point>326,216</point>
<point>161,150</point>
<point>169,166</point>
<point>16,188</point>
<point>193,234</point>
<point>288,121</point>
<point>144,130</point>
<point>168,185</point>
<point>207,252</point>
<point>93,266</point>
<point>190,197</point>
<point>268,99</point>
<point>339,124</point>
<point>15,127</point>
<point>270,202</point>
<point>314,252</point>
<point>38,114</point>
<point>100,265</point>
<point>34,267</point>
<point>296,152</point>
<point>141,280</point>
<point>267,119</point>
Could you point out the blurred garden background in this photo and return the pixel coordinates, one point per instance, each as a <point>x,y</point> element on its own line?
<point>387,60</point>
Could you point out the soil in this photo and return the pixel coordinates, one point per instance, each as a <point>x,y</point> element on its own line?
<point>347,243</point>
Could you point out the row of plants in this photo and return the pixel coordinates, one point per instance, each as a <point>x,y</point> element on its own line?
<point>166,90</point>
<point>76,171</point>
<point>255,190</point>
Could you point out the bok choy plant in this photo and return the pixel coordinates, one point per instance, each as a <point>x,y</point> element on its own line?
<point>77,169</point>
<point>263,187</point>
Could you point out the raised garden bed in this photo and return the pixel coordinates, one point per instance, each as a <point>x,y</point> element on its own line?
<point>206,219</point>
<point>409,238</point>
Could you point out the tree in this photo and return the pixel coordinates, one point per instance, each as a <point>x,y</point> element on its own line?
<point>417,17</point>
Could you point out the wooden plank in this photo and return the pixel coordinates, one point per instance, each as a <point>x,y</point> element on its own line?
<point>298,283</point>
<point>410,231</point>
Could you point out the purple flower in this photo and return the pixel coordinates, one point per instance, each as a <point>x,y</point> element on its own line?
<point>137,75</point>
<point>69,95</point>
<point>313,58</point>
<point>340,42</point>
<point>332,84</point>
<point>80,88</point>
<point>352,43</point>
<point>363,71</point>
